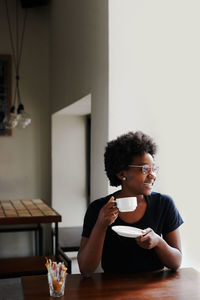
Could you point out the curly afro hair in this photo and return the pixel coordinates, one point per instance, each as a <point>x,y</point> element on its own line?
<point>119,153</point>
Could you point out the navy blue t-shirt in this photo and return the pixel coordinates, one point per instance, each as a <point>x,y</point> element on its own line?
<point>122,254</point>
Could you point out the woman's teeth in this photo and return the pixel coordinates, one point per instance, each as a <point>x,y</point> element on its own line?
<point>148,184</point>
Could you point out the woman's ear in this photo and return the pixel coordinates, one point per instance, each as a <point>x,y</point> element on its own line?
<point>121,176</point>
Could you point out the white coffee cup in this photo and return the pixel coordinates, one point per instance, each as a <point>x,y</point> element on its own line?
<point>126,204</point>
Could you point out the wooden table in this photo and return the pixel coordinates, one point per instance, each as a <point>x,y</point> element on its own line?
<point>181,285</point>
<point>33,211</point>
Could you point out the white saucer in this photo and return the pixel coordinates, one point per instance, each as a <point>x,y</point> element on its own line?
<point>128,231</point>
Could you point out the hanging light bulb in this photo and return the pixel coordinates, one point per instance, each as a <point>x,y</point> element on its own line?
<point>24,118</point>
<point>13,119</point>
<point>21,119</point>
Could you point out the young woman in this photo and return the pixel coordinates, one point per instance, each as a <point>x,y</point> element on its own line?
<point>129,163</point>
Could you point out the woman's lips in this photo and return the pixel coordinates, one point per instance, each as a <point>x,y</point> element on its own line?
<point>149,185</point>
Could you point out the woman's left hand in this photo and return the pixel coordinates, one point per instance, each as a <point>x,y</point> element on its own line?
<point>149,240</point>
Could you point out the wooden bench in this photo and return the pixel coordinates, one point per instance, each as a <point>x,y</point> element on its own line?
<point>34,265</point>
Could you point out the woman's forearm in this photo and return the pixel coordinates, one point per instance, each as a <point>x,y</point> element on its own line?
<point>91,248</point>
<point>170,257</point>
<point>89,255</point>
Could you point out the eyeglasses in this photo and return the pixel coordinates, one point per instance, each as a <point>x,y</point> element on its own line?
<point>146,169</point>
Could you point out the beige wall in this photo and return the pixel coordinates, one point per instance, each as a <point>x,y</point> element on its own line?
<point>25,156</point>
<point>155,88</point>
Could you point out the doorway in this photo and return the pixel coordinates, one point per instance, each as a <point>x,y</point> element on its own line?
<point>71,161</point>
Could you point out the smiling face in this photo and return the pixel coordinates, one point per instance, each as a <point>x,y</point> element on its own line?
<point>137,181</point>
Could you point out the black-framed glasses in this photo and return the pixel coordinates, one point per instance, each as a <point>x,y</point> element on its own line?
<point>146,169</point>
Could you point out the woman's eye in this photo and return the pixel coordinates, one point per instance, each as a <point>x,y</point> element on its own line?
<point>145,169</point>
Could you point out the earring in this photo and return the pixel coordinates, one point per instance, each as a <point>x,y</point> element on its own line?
<point>124,178</point>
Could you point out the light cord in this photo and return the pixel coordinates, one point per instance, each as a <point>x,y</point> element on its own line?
<point>16,50</point>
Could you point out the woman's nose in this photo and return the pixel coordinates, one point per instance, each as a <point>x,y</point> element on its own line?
<point>152,174</point>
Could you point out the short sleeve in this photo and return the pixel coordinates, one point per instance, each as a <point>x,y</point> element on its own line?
<point>89,221</point>
<point>92,215</point>
<point>172,217</point>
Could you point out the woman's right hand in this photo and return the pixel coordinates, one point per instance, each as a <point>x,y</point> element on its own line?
<point>108,214</point>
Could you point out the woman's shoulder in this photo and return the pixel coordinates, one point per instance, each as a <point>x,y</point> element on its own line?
<point>163,205</point>
<point>162,199</point>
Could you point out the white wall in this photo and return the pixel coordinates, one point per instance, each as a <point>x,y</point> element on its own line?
<point>154,86</point>
<point>69,189</point>
<point>79,66</point>
<point>25,156</point>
